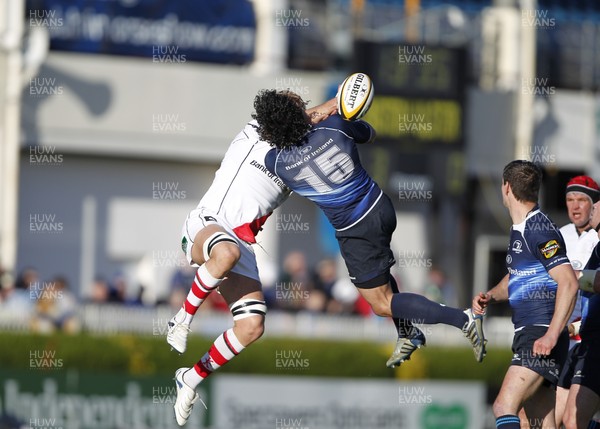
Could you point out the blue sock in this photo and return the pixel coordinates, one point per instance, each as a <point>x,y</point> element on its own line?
<point>419,309</point>
<point>404,327</point>
<point>593,425</point>
<point>508,422</point>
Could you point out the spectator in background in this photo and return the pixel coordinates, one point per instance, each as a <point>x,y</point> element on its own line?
<point>339,294</point>
<point>439,289</point>
<point>26,278</point>
<point>293,290</point>
<point>5,283</point>
<point>17,297</point>
<point>100,291</point>
<point>118,289</point>
<point>56,307</point>
<point>325,278</point>
<point>182,278</point>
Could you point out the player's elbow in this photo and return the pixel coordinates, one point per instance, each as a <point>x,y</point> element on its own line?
<point>373,135</point>
<point>572,288</point>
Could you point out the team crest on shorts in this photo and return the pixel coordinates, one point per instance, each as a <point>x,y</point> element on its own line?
<point>184,245</point>
<point>549,249</point>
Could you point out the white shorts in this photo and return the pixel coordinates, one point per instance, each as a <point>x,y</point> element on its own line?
<point>201,218</point>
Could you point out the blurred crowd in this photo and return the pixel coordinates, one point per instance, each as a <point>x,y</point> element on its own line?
<point>52,305</point>
<point>317,289</point>
<point>46,305</point>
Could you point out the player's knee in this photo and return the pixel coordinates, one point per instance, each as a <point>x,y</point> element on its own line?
<point>249,317</point>
<point>499,409</point>
<point>226,256</point>
<point>223,249</point>
<point>253,328</point>
<point>381,308</point>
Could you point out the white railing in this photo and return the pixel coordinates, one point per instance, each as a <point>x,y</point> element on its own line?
<point>112,319</point>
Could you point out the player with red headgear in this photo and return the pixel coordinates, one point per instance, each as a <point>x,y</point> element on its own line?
<point>582,192</point>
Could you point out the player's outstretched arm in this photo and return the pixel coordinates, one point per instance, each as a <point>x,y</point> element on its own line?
<point>589,281</point>
<point>322,111</point>
<point>498,293</point>
<point>371,138</point>
<point>566,295</point>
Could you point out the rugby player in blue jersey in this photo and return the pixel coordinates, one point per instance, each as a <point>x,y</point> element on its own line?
<point>541,288</point>
<point>321,163</point>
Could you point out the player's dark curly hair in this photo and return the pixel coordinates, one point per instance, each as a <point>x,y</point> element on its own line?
<point>281,119</point>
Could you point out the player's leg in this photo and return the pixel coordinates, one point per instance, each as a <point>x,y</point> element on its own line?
<point>410,338</point>
<point>584,395</point>
<point>539,408</point>
<point>217,249</point>
<point>523,418</point>
<point>365,247</point>
<point>247,305</point>
<point>519,384</point>
<point>379,298</point>
<point>418,309</point>
<point>582,404</point>
<point>366,250</point>
<point>216,252</point>
<point>561,402</point>
<point>564,383</point>
<point>246,302</point>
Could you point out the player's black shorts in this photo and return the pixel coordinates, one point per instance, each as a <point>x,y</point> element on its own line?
<point>566,374</point>
<point>548,367</point>
<point>365,247</point>
<point>587,368</point>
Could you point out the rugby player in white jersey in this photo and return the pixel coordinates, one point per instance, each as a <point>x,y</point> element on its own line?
<point>217,237</point>
<point>582,192</point>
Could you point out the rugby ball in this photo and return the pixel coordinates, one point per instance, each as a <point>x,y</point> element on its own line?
<point>354,96</point>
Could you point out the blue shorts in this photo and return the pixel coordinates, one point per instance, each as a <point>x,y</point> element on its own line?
<point>587,369</point>
<point>548,367</point>
<point>566,375</point>
<point>365,246</point>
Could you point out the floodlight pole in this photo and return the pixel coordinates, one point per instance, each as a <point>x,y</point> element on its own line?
<point>525,96</point>
<point>11,36</point>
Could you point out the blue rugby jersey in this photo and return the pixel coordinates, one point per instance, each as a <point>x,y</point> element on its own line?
<point>536,246</point>
<point>326,169</point>
<point>591,313</point>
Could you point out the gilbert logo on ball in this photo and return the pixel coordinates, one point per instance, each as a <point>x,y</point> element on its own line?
<point>355,96</point>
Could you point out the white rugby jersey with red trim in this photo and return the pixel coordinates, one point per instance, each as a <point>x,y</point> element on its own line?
<point>244,193</point>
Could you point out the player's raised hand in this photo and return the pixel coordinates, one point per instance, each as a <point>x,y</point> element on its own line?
<point>322,111</point>
<point>480,303</point>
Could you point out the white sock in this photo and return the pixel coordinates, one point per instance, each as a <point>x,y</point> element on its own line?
<point>184,317</point>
